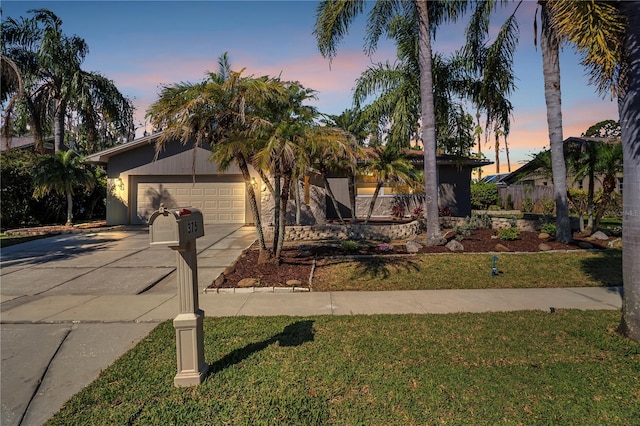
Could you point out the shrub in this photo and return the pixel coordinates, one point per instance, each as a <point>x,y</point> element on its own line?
<point>349,245</point>
<point>483,195</point>
<point>385,247</point>
<point>509,234</point>
<point>548,206</point>
<point>549,228</point>
<point>480,221</point>
<point>417,211</point>
<point>527,205</point>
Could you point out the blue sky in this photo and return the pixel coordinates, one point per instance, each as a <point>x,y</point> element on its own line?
<point>142,45</point>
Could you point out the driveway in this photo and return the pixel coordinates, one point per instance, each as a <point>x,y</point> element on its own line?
<point>56,337</point>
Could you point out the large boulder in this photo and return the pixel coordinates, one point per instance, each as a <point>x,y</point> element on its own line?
<point>455,245</point>
<point>413,246</point>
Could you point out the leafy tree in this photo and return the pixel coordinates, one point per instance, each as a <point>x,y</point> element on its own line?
<point>59,174</point>
<point>55,85</point>
<point>604,129</point>
<point>607,36</point>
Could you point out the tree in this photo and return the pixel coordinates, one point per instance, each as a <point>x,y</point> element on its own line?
<point>610,47</point>
<point>58,174</point>
<point>332,21</point>
<point>55,84</point>
<point>225,110</point>
<point>550,45</point>
<point>388,166</point>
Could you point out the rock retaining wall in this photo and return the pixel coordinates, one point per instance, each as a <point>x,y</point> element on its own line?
<point>348,232</point>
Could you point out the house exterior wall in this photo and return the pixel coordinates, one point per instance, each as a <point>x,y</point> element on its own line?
<point>176,163</point>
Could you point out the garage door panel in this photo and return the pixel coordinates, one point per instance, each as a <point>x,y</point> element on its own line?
<point>220,202</point>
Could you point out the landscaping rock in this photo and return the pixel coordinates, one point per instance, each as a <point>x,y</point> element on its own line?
<point>585,245</point>
<point>413,246</point>
<point>294,283</point>
<point>247,282</point>
<point>544,247</point>
<point>500,247</point>
<point>449,235</point>
<point>615,244</point>
<point>219,281</point>
<point>455,245</point>
<point>599,235</point>
<point>544,236</point>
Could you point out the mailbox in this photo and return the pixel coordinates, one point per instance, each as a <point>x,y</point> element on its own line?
<point>176,226</point>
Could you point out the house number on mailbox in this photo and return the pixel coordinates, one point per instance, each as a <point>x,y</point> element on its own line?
<point>192,227</point>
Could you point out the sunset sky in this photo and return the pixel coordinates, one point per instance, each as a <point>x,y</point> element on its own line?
<point>142,45</point>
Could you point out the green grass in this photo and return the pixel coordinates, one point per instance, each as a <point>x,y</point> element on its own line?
<point>530,367</point>
<point>470,271</point>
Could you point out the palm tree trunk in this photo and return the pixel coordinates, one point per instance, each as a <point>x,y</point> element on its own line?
<point>629,105</point>
<point>298,199</point>
<point>276,205</point>
<point>551,69</point>
<point>372,204</point>
<point>506,149</point>
<point>253,203</point>
<point>351,183</point>
<point>327,188</point>
<point>69,209</point>
<point>282,217</point>
<point>428,125</point>
<point>608,186</point>
<point>591,189</point>
<point>497,148</point>
<point>58,132</point>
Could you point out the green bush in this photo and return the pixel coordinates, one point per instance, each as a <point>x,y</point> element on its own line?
<point>549,228</point>
<point>509,234</point>
<point>548,206</point>
<point>527,205</point>
<point>483,195</point>
<point>349,245</point>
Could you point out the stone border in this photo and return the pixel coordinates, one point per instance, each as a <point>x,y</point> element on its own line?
<point>374,232</point>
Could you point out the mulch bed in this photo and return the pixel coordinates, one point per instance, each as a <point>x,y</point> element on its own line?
<point>297,260</point>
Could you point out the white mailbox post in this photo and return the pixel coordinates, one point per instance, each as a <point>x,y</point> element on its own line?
<point>178,229</point>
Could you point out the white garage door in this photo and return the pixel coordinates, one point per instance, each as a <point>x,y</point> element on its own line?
<point>219,202</point>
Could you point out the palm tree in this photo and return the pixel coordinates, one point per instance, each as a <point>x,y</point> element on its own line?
<point>606,33</point>
<point>550,45</point>
<point>225,110</point>
<point>388,166</point>
<point>331,149</point>
<point>333,20</point>
<point>59,174</point>
<point>352,122</point>
<point>51,63</point>
<point>12,90</point>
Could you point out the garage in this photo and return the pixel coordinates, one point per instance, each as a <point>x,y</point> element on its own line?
<point>219,202</point>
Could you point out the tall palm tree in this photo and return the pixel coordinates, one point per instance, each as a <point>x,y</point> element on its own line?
<point>50,62</point>
<point>12,90</point>
<point>333,20</point>
<point>550,46</point>
<point>59,174</point>
<point>606,33</point>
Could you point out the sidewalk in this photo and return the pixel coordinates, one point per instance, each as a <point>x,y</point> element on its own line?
<point>73,305</point>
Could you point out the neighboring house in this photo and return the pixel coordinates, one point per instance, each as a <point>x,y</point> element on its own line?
<point>531,174</point>
<point>25,142</point>
<point>138,182</point>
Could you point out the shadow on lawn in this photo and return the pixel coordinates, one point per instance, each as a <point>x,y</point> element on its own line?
<point>606,268</point>
<point>294,334</point>
<point>383,266</point>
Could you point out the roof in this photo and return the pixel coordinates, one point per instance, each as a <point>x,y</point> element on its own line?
<point>22,142</point>
<point>532,166</point>
<point>102,157</point>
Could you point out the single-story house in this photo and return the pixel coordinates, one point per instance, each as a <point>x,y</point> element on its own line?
<point>25,143</point>
<point>531,174</point>
<point>138,182</point>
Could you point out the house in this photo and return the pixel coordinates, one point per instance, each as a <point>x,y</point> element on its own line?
<point>138,181</point>
<point>25,143</point>
<point>532,174</point>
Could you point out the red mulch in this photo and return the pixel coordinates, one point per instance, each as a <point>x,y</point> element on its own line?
<point>294,267</point>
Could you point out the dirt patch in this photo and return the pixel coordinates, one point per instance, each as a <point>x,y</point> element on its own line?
<point>298,259</point>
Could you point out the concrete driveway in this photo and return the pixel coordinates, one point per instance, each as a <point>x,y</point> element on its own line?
<point>51,348</point>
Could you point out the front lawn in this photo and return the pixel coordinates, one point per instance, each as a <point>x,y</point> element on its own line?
<point>570,367</point>
<point>470,271</point>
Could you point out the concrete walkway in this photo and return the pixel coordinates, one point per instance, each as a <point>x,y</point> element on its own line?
<point>73,304</point>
